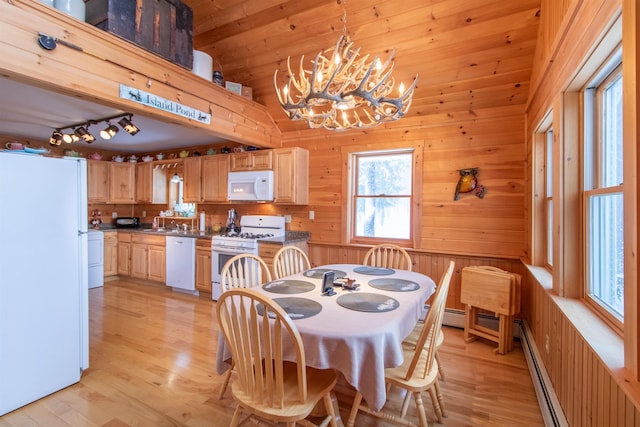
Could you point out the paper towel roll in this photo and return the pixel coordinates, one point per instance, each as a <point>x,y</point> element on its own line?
<point>201,221</point>
<point>202,65</point>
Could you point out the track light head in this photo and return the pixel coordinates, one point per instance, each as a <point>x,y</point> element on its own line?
<point>108,132</point>
<point>83,133</point>
<point>56,138</point>
<point>128,126</point>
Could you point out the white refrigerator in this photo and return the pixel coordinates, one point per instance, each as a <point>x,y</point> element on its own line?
<point>44,325</point>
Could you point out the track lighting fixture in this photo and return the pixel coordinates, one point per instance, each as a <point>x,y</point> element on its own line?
<point>128,126</point>
<point>83,132</point>
<point>109,131</point>
<point>80,131</point>
<point>56,137</point>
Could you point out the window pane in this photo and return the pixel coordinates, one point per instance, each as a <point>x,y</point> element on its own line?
<point>612,134</point>
<point>606,251</point>
<point>387,217</point>
<point>384,175</point>
<point>550,232</point>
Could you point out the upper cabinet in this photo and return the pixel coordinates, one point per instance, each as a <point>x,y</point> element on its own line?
<point>122,178</point>
<point>252,160</point>
<point>97,181</point>
<point>151,183</point>
<point>215,176</point>
<point>291,176</point>
<point>192,178</point>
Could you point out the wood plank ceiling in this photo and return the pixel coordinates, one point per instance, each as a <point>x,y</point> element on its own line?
<point>468,54</point>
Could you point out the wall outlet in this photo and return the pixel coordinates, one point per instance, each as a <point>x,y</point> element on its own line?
<point>144,214</point>
<point>114,215</point>
<point>312,215</point>
<point>287,219</point>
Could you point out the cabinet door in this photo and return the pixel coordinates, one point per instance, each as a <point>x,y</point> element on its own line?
<point>252,160</point>
<point>122,177</point>
<point>203,265</point>
<point>139,261</point>
<point>291,176</point>
<point>262,159</point>
<point>97,181</point>
<point>192,176</point>
<point>124,259</point>
<point>156,263</point>
<point>143,182</point>
<point>215,175</point>
<point>110,254</point>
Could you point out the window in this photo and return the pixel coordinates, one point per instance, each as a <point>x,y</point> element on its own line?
<point>548,199</point>
<point>382,196</point>
<point>602,196</point>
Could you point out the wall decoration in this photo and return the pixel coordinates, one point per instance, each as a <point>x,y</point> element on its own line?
<point>468,183</point>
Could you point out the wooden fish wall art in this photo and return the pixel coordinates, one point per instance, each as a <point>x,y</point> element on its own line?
<point>468,183</point>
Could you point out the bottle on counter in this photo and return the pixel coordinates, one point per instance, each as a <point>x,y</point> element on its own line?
<point>155,223</point>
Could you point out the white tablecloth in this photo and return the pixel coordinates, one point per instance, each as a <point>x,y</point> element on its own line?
<point>358,344</point>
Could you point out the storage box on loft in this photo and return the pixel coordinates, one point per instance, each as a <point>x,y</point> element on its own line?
<point>494,290</point>
<point>164,27</point>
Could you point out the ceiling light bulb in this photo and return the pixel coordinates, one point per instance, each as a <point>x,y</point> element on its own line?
<point>401,88</point>
<point>67,138</point>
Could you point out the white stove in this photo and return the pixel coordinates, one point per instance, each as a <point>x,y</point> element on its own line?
<point>252,229</point>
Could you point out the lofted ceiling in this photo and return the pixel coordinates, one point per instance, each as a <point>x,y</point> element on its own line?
<point>468,55</point>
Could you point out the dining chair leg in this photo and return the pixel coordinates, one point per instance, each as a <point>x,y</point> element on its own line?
<point>422,416</point>
<point>405,404</point>
<point>235,421</point>
<point>440,370</point>
<point>225,384</point>
<point>436,404</point>
<point>354,409</point>
<point>440,398</point>
<point>328,406</point>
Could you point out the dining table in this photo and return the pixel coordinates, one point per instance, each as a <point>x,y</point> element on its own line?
<point>356,332</point>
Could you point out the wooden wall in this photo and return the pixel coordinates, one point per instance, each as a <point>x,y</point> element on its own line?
<point>491,140</point>
<point>585,359</point>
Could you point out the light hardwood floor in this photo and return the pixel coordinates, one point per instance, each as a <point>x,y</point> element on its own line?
<point>152,363</point>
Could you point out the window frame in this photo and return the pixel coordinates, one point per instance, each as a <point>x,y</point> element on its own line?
<point>349,154</point>
<point>593,186</point>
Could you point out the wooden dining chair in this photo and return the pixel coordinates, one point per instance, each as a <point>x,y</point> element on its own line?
<point>269,387</point>
<point>388,255</point>
<point>419,372</point>
<point>242,271</point>
<point>290,260</point>
<point>411,340</point>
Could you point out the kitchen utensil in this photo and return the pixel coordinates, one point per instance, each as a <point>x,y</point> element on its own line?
<point>232,218</point>
<point>117,159</point>
<point>95,156</point>
<point>184,153</point>
<point>160,156</point>
<point>147,159</point>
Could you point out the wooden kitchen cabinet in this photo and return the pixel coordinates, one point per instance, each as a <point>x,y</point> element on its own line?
<point>110,254</point>
<point>291,176</point>
<point>252,160</point>
<point>191,179</point>
<point>203,265</point>
<point>97,181</point>
<point>124,253</point>
<point>148,257</point>
<point>151,183</point>
<point>122,178</point>
<point>215,176</point>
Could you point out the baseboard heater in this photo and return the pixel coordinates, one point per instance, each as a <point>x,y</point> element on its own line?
<point>552,413</point>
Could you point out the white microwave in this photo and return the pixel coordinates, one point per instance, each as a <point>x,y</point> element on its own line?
<point>251,186</point>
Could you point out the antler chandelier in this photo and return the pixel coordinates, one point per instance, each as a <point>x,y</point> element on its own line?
<point>343,90</point>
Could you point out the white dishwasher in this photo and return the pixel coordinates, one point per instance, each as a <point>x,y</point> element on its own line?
<point>181,263</point>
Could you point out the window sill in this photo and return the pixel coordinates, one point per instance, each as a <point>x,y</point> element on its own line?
<point>597,334</point>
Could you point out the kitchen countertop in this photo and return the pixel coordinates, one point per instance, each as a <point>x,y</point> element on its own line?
<point>289,237</point>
